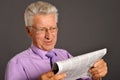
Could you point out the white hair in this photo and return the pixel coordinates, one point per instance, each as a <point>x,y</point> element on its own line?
<point>38,8</point>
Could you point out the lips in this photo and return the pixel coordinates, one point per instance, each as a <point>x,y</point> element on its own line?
<point>48,43</point>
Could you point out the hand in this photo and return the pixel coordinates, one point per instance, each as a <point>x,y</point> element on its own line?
<point>99,69</point>
<point>51,76</point>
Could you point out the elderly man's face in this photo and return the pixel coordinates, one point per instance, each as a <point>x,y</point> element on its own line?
<point>44,31</point>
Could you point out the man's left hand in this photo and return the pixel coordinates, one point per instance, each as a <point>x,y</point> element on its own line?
<point>99,69</point>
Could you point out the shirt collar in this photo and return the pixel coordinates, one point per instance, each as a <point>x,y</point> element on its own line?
<point>40,52</point>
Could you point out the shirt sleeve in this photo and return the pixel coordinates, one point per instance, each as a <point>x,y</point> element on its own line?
<point>15,71</point>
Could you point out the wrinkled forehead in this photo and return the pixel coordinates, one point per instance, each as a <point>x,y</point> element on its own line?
<point>44,20</point>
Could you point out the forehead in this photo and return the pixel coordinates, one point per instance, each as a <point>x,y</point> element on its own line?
<point>44,20</point>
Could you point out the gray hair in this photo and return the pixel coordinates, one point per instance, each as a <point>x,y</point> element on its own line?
<point>37,8</point>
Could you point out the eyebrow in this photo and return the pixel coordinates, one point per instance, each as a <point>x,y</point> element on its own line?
<point>45,27</point>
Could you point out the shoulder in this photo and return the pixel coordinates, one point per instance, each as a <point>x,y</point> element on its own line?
<point>20,56</point>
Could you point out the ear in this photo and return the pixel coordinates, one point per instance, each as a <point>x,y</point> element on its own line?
<point>28,30</point>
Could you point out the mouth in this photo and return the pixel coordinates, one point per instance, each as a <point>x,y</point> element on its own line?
<point>49,43</point>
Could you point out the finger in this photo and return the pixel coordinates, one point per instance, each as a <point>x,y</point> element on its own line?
<point>46,76</point>
<point>99,72</point>
<point>102,74</point>
<point>103,71</point>
<point>99,62</point>
<point>101,68</point>
<point>93,71</point>
<point>60,76</point>
<point>50,74</point>
<point>96,77</point>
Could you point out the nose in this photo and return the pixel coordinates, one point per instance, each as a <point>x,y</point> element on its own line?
<point>48,34</point>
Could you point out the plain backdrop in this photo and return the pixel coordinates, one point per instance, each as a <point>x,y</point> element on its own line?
<point>84,26</point>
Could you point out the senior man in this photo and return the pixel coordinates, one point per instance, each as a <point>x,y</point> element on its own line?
<point>35,63</point>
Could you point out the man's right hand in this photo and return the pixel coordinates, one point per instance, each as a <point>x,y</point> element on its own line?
<point>51,76</point>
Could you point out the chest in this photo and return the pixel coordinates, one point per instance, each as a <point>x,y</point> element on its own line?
<point>35,67</point>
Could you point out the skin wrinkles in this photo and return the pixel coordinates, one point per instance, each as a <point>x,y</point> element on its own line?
<point>47,40</point>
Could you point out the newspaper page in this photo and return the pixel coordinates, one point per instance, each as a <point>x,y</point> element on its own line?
<point>77,67</point>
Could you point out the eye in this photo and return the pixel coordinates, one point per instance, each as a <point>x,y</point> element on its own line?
<point>41,29</point>
<point>53,28</point>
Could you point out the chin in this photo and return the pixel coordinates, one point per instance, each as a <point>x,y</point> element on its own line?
<point>48,48</point>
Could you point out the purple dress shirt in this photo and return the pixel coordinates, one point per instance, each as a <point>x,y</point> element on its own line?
<point>31,63</point>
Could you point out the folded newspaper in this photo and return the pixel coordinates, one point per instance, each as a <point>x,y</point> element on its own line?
<point>78,67</point>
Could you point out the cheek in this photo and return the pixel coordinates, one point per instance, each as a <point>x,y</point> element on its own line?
<point>38,37</point>
<point>54,37</point>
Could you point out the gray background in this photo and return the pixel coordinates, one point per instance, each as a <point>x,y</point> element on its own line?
<point>84,26</point>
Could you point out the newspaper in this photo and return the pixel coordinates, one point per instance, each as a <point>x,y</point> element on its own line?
<point>77,67</point>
